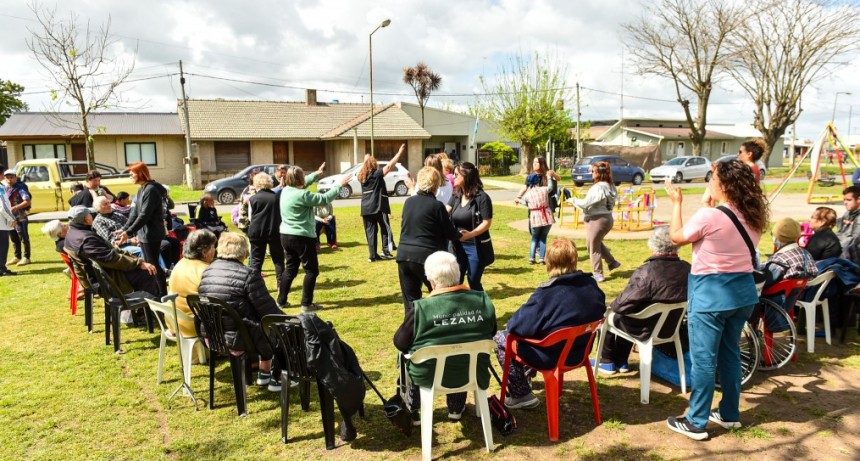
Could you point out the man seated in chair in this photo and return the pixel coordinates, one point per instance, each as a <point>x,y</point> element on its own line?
<point>569,298</point>
<point>84,246</point>
<point>661,279</point>
<point>451,314</point>
<point>790,261</point>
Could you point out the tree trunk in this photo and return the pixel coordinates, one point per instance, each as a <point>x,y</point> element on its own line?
<point>90,143</point>
<point>526,158</point>
<point>697,140</point>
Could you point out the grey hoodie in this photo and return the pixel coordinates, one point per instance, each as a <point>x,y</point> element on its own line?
<point>600,200</point>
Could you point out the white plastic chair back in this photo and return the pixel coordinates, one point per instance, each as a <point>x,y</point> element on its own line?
<point>809,308</point>
<point>441,354</point>
<point>646,347</point>
<point>186,344</point>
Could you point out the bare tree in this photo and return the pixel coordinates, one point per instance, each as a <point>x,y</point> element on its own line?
<point>685,40</point>
<point>527,101</point>
<point>782,52</point>
<point>423,81</point>
<point>80,62</point>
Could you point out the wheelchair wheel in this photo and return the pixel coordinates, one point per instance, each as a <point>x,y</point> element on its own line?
<point>749,349</point>
<point>776,334</point>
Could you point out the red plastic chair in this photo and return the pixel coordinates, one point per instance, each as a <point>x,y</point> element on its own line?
<point>790,289</point>
<point>73,291</point>
<point>554,378</point>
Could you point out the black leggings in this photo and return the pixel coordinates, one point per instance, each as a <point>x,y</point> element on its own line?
<point>151,252</point>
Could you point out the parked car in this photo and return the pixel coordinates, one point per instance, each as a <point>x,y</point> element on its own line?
<point>684,168</point>
<point>49,181</point>
<point>622,170</point>
<point>761,166</point>
<point>395,181</point>
<point>227,190</point>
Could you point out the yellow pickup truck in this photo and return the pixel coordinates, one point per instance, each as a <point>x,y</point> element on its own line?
<point>50,181</point>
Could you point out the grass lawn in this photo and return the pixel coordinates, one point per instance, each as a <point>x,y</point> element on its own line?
<point>65,395</point>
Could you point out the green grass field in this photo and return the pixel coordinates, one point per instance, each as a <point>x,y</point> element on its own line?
<point>65,395</point>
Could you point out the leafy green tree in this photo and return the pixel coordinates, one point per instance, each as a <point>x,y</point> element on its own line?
<point>10,99</point>
<point>423,81</point>
<point>526,99</point>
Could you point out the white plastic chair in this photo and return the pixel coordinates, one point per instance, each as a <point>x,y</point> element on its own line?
<point>187,344</point>
<point>441,354</point>
<point>810,306</point>
<point>646,348</point>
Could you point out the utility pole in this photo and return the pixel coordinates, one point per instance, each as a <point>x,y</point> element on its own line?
<point>189,167</point>
<point>622,83</point>
<point>578,130</point>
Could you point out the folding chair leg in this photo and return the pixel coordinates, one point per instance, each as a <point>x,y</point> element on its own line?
<point>327,410</point>
<point>285,405</point>
<point>427,395</point>
<point>212,382</point>
<point>88,310</point>
<point>646,353</point>
<point>595,402</point>
<point>115,315</point>
<point>682,369</point>
<point>237,368</point>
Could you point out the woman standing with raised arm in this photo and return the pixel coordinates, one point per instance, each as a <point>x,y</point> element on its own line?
<point>374,204</point>
<point>597,206</point>
<point>721,290</point>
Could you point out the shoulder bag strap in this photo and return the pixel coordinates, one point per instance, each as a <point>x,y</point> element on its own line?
<point>742,231</point>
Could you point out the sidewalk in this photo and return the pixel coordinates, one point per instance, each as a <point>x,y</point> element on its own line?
<point>785,206</point>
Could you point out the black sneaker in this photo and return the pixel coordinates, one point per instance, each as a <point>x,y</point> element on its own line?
<point>387,255</point>
<point>457,415</point>
<point>416,418</point>
<point>680,425</point>
<point>274,384</point>
<point>311,307</point>
<point>374,258</point>
<point>263,378</point>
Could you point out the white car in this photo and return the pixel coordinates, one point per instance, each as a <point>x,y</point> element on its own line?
<point>686,168</point>
<point>395,181</point>
<point>761,166</point>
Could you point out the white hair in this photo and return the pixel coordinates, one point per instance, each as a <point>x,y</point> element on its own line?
<point>660,241</point>
<point>442,268</point>
<point>52,229</point>
<point>98,201</point>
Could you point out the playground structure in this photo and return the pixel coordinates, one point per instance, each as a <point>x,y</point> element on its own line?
<point>634,209</point>
<point>828,143</point>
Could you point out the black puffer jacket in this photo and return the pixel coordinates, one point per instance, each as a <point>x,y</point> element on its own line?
<point>146,219</point>
<point>662,279</point>
<point>242,289</point>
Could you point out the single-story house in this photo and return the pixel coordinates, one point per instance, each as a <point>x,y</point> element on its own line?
<point>121,138</point>
<point>673,138</point>
<point>452,131</point>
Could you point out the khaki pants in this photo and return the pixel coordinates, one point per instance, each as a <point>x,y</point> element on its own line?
<point>595,229</point>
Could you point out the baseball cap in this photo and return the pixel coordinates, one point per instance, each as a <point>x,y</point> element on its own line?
<point>78,213</point>
<point>9,171</point>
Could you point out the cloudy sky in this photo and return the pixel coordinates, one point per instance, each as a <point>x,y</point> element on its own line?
<point>268,49</point>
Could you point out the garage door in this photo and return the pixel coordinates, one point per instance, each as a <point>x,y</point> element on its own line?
<point>231,156</point>
<point>308,154</point>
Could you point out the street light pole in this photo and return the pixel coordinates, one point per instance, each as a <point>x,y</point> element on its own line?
<point>835,98</point>
<point>370,46</point>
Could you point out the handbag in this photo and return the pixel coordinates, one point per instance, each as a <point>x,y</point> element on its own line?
<point>500,416</point>
<point>759,276</point>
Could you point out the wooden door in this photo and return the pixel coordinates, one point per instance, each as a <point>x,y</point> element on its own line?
<point>280,152</point>
<point>79,152</point>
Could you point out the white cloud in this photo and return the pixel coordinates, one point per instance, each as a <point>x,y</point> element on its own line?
<point>323,44</point>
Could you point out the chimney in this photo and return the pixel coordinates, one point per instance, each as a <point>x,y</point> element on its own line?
<point>311,97</point>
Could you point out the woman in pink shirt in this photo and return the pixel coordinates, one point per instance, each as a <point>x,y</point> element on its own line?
<point>721,292</point>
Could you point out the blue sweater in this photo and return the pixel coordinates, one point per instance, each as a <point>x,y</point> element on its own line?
<point>565,301</point>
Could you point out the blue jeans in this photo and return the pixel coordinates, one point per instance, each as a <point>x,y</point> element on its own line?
<point>472,266</point>
<point>714,338</point>
<point>539,235</point>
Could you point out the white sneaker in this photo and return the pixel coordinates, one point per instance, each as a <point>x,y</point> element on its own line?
<point>126,318</point>
<point>12,261</point>
<point>715,418</point>
<point>23,262</point>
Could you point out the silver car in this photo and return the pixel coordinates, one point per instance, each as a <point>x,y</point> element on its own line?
<point>686,168</point>
<point>395,181</point>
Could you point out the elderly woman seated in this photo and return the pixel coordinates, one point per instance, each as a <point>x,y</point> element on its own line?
<point>229,279</point>
<point>661,279</point>
<point>790,261</point>
<point>198,253</point>
<point>568,298</point>
<point>451,314</point>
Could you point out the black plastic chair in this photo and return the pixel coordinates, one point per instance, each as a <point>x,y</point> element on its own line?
<point>285,333</point>
<point>209,315</point>
<point>116,301</point>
